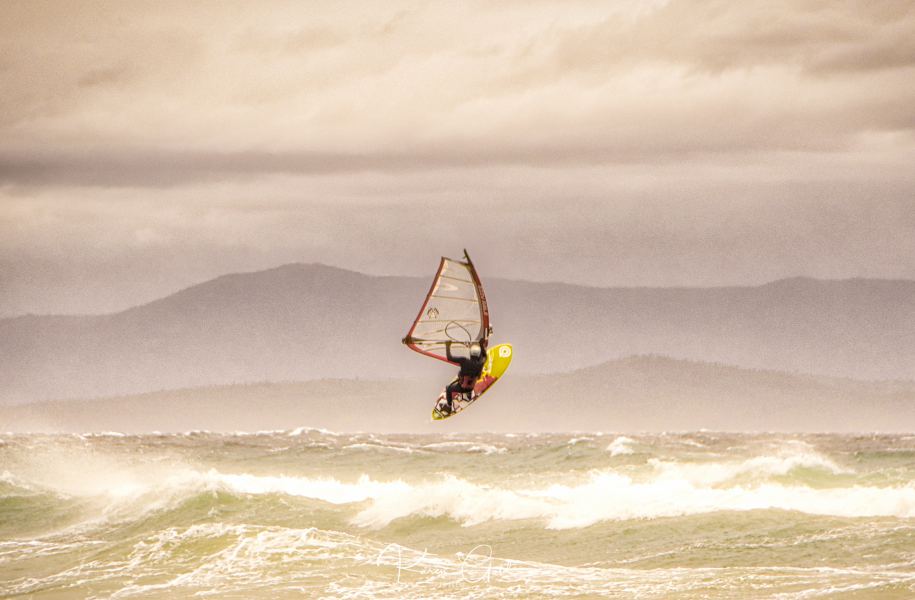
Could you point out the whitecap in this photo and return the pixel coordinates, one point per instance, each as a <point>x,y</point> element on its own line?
<point>467,446</point>
<point>620,445</point>
<point>380,446</point>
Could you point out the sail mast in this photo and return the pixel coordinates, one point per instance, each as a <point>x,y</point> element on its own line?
<point>484,307</point>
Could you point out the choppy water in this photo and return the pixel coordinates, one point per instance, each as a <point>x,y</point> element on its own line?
<point>313,514</point>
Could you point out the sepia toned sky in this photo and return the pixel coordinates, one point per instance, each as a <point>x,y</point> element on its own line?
<point>147,146</point>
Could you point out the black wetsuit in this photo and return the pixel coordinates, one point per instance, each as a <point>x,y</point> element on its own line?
<point>468,375</point>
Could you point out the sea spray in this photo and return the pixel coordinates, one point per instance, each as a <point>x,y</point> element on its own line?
<point>312,513</point>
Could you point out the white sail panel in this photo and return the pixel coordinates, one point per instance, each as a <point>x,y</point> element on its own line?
<point>454,310</point>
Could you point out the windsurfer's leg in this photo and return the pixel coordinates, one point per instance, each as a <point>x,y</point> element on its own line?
<point>454,387</point>
<point>468,388</point>
<point>466,392</point>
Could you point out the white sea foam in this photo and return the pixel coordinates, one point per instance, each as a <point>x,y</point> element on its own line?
<point>328,490</point>
<point>205,545</point>
<point>258,433</point>
<point>620,445</point>
<point>251,561</point>
<point>306,430</point>
<point>710,473</point>
<point>246,558</point>
<point>467,446</point>
<point>603,496</point>
<point>579,440</point>
<point>665,488</point>
<point>693,443</point>
<point>381,446</point>
<point>16,482</point>
<point>610,496</point>
<point>672,489</point>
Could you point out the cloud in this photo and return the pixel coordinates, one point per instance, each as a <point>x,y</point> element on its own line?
<point>631,142</point>
<point>717,36</point>
<point>109,95</point>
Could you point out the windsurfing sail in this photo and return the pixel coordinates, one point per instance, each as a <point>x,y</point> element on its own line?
<point>454,310</point>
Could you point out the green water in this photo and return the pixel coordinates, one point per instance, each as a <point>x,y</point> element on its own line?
<point>313,514</point>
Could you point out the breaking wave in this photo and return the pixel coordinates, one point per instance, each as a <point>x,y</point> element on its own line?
<point>670,489</point>
<point>620,445</point>
<point>309,513</point>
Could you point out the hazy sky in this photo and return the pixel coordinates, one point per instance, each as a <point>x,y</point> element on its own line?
<point>147,147</point>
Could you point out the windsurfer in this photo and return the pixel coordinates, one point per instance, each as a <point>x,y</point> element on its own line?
<point>471,368</point>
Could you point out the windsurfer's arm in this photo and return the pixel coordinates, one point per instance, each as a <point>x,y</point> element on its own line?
<point>460,361</point>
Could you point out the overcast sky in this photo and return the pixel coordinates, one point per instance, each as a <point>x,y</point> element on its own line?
<point>147,147</point>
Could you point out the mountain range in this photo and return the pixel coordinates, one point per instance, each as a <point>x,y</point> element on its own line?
<point>303,322</point>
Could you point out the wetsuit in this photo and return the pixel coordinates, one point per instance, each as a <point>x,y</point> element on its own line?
<point>471,368</point>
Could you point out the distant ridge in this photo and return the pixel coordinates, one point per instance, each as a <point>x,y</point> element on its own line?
<point>298,321</point>
<point>298,268</point>
<point>639,393</point>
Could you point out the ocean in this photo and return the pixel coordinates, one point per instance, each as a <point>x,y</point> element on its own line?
<point>309,513</point>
